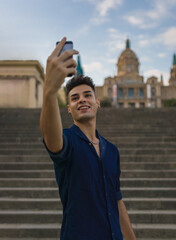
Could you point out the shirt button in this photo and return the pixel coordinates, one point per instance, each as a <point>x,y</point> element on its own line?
<point>89,144</point>
<point>106,195</point>
<point>109,214</point>
<point>112,234</point>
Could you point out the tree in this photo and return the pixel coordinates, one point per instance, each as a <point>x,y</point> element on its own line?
<point>106,102</point>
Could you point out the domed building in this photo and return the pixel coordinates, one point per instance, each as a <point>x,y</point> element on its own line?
<point>127,88</point>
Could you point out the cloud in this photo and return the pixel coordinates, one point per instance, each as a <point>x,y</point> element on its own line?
<point>157,73</point>
<point>102,8</point>
<point>145,59</point>
<point>94,66</point>
<point>116,40</point>
<point>161,55</point>
<point>151,18</point>
<point>134,20</point>
<point>169,37</point>
<point>143,43</point>
<point>112,60</point>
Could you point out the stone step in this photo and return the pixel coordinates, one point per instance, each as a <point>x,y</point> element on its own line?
<point>128,151</point>
<point>150,203</point>
<point>148,182</point>
<point>160,231</point>
<point>53,192</point>
<point>10,203</point>
<point>53,216</point>
<point>50,174</point>
<point>30,230</point>
<point>36,145</point>
<point>51,182</point>
<point>124,158</point>
<point>28,238</point>
<point>36,138</point>
<point>148,173</point>
<point>49,165</point>
<point>31,216</point>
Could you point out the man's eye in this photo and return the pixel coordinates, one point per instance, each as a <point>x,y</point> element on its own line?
<point>74,99</point>
<point>88,95</point>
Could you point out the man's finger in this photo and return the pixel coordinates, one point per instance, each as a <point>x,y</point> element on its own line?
<point>68,54</point>
<point>70,62</point>
<point>59,47</point>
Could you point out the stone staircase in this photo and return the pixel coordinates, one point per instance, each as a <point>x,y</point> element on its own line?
<point>30,207</point>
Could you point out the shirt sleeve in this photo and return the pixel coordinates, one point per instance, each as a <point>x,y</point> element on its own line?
<point>118,190</point>
<point>63,155</point>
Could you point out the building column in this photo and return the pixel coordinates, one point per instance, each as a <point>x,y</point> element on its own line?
<point>32,99</point>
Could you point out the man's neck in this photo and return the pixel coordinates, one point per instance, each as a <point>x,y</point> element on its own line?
<point>88,128</point>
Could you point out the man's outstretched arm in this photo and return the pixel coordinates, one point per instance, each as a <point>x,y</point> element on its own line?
<point>125,223</point>
<point>57,69</point>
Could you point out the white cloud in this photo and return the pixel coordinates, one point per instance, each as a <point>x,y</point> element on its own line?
<point>157,73</point>
<point>102,8</point>
<point>116,41</point>
<point>161,55</point>
<point>112,60</point>
<point>105,5</point>
<point>134,20</point>
<point>145,59</point>
<point>143,43</point>
<point>150,19</point>
<point>94,66</point>
<point>169,37</point>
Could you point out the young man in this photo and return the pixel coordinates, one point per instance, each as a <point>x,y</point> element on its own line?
<point>87,167</point>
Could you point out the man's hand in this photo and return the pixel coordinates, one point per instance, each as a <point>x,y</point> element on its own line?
<point>58,68</point>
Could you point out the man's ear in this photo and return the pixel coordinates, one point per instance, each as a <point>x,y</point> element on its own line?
<point>98,102</point>
<point>68,107</point>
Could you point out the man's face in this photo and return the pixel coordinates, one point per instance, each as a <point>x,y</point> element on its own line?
<point>83,104</point>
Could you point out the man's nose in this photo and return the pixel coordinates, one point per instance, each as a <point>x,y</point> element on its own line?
<point>82,99</point>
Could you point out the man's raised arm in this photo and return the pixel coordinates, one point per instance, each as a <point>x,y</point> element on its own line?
<point>57,69</point>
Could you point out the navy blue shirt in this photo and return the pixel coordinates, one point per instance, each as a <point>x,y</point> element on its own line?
<point>89,187</point>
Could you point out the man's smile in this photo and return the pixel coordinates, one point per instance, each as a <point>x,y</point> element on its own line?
<point>83,108</point>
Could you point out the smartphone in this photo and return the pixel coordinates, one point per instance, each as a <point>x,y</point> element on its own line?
<point>68,46</point>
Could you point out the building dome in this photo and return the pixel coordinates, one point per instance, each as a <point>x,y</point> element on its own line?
<point>128,61</point>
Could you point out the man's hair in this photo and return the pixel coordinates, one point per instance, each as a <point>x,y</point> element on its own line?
<point>79,80</point>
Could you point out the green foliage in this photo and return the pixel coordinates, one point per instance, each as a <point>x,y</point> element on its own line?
<point>106,102</point>
<point>61,104</point>
<point>170,103</point>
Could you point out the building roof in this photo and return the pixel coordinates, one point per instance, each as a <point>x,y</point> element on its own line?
<point>127,54</point>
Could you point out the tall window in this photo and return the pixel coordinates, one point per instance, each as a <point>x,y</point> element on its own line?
<point>120,92</point>
<point>109,92</point>
<point>153,91</point>
<point>130,92</point>
<point>141,92</point>
<point>36,90</point>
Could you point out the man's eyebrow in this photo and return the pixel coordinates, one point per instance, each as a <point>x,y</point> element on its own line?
<point>75,94</point>
<point>87,91</point>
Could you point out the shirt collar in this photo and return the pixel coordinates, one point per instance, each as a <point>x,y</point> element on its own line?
<point>78,131</point>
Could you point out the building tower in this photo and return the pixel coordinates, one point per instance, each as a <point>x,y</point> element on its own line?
<point>79,68</point>
<point>128,66</point>
<point>172,80</point>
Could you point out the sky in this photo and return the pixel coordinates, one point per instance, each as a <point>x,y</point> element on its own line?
<point>29,30</point>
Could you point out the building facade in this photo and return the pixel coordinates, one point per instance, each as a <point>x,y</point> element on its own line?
<point>21,84</point>
<point>127,88</point>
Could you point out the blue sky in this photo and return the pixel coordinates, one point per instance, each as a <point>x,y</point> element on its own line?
<point>98,29</point>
